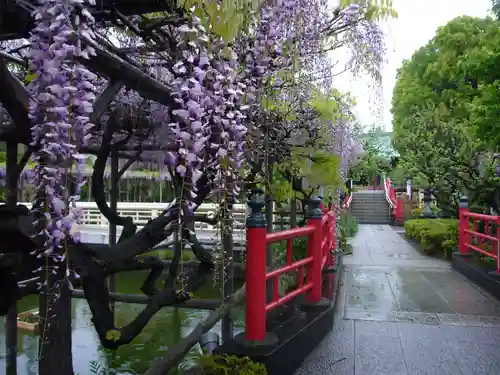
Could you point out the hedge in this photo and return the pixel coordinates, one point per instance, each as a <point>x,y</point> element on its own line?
<point>435,236</point>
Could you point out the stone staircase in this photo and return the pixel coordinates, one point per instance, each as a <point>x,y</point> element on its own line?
<point>370,207</point>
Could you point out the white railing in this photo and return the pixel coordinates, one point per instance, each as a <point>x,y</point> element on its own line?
<point>347,203</point>
<point>387,193</point>
<point>141,213</point>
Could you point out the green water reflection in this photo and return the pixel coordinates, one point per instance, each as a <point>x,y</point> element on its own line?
<point>166,328</point>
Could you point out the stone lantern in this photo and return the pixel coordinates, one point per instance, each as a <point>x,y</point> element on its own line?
<point>427,211</point>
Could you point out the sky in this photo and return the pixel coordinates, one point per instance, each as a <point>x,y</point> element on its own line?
<point>415,25</point>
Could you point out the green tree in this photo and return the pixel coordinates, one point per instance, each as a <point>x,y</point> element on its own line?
<point>373,162</point>
<point>437,106</point>
<point>495,8</point>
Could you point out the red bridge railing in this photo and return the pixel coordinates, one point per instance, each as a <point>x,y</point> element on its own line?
<point>486,241</point>
<point>395,204</point>
<point>320,233</point>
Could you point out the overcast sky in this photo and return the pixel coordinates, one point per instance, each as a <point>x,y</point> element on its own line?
<point>416,24</point>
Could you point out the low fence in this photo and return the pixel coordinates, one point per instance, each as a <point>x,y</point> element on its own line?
<point>141,213</point>
<point>320,233</point>
<point>484,240</point>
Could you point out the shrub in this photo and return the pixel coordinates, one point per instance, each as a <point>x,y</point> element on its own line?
<point>299,249</point>
<point>435,236</point>
<point>347,227</point>
<point>222,364</point>
<point>348,224</point>
<point>416,212</point>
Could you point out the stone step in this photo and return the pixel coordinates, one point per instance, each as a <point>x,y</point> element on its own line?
<point>379,212</point>
<point>370,205</point>
<point>368,201</point>
<point>367,210</point>
<point>370,208</point>
<point>373,216</point>
<point>361,220</point>
<point>385,217</point>
<point>355,195</point>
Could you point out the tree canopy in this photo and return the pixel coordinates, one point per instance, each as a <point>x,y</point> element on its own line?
<point>444,112</point>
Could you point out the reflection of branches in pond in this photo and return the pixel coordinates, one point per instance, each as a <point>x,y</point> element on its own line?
<point>163,333</point>
<point>93,275</point>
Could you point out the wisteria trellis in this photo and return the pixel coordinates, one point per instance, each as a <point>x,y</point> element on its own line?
<point>217,89</point>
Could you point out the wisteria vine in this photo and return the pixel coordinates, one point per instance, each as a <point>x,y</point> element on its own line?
<point>63,94</point>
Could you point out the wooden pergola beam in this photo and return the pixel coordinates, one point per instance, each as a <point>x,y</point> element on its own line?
<point>15,98</point>
<point>104,99</point>
<point>117,69</point>
<point>16,21</point>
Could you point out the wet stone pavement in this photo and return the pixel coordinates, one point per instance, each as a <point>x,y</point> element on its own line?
<point>401,313</point>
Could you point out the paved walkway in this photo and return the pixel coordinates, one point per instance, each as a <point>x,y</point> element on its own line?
<point>401,313</point>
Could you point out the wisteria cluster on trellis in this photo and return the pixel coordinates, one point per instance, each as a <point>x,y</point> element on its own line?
<point>217,92</point>
<point>63,93</point>
<point>366,41</point>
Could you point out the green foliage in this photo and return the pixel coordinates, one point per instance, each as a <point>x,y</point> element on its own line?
<point>495,8</point>
<point>230,365</point>
<point>435,236</point>
<point>347,224</point>
<point>224,18</point>
<point>416,212</point>
<point>95,368</point>
<point>328,106</point>
<point>373,161</point>
<point>317,167</point>
<point>299,249</point>
<point>374,9</point>
<point>311,163</point>
<point>347,227</point>
<point>444,114</point>
<point>168,254</point>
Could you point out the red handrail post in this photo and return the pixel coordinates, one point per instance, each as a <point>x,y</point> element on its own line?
<point>498,245</point>
<point>334,239</point>
<point>463,225</point>
<point>255,310</point>
<point>399,211</point>
<point>314,250</point>
<point>329,235</point>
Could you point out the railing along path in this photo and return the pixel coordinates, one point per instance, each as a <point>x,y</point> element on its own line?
<point>484,241</point>
<point>320,233</point>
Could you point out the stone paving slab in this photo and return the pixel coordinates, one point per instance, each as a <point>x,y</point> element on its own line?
<point>402,313</point>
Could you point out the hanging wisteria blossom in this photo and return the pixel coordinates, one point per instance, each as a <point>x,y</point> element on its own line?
<point>63,95</point>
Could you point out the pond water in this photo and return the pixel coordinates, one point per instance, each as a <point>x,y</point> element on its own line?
<point>164,330</point>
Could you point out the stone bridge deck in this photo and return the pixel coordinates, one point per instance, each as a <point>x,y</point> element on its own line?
<point>401,313</point>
